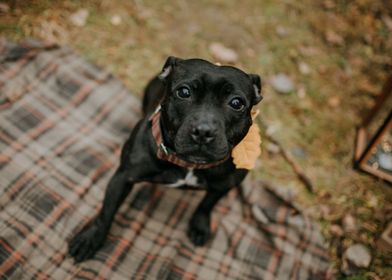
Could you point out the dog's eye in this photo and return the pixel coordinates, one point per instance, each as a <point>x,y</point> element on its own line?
<point>183,92</point>
<point>237,104</point>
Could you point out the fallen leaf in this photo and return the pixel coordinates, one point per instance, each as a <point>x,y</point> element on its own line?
<point>301,92</point>
<point>304,68</point>
<point>334,101</point>
<point>336,230</point>
<point>116,20</point>
<point>333,38</point>
<point>222,53</point>
<point>79,18</point>
<point>248,150</point>
<point>349,223</point>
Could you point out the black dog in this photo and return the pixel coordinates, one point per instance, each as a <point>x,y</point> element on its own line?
<point>195,113</point>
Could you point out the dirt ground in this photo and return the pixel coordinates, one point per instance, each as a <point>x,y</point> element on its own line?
<point>336,53</point>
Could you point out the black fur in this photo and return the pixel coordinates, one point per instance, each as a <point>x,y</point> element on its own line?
<point>199,128</point>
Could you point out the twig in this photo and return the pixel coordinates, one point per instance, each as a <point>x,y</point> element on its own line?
<point>287,156</point>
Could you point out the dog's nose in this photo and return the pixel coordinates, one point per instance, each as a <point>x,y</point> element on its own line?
<point>203,134</point>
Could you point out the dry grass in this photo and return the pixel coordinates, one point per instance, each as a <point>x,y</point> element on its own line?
<point>346,73</point>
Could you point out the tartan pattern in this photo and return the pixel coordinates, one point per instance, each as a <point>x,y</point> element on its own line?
<point>63,122</point>
<point>171,156</point>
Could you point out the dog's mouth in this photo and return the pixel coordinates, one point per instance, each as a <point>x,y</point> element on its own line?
<point>205,143</point>
<point>198,159</point>
<point>201,155</point>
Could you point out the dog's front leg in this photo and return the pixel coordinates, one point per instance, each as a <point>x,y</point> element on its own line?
<point>85,244</point>
<point>199,225</point>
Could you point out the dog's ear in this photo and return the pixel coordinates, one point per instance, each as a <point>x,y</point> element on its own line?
<point>170,63</point>
<point>256,81</point>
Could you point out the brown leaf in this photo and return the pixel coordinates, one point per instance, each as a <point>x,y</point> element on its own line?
<point>248,150</point>
<point>334,101</point>
<point>79,18</point>
<point>222,53</point>
<point>349,223</point>
<point>333,38</point>
<point>116,20</point>
<point>336,230</point>
<point>304,68</point>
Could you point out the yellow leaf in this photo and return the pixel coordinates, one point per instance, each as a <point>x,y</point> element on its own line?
<point>248,150</point>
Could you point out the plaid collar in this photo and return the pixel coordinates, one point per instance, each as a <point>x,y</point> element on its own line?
<point>164,153</point>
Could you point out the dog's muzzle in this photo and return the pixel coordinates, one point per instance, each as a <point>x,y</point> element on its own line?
<point>201,134</point>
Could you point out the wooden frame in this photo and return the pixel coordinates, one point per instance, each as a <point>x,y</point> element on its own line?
<point>365,143</point>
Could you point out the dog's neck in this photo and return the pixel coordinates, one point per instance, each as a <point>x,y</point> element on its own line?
<point>167,153</point>
<point>167,139</point>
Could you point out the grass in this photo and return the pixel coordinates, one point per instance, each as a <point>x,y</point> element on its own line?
<point>152,30</point>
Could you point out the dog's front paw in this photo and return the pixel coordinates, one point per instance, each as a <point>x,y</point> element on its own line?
<point>199,229</point>
<point>86,243</point>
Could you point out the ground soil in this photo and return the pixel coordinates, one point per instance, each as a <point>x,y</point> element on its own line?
<point>336,53</point>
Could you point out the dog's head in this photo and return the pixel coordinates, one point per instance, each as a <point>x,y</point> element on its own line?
<point>206,109</point>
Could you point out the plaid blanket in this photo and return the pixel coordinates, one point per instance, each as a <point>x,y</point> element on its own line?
<point>63,121</point>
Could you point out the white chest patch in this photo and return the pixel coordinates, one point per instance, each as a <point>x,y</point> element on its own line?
<point>189,180</point>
